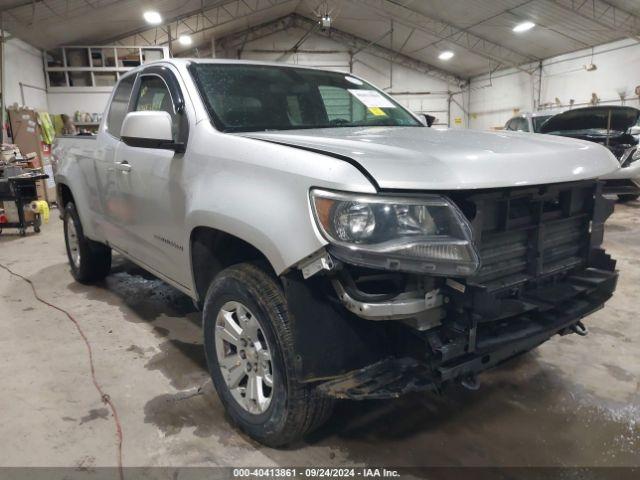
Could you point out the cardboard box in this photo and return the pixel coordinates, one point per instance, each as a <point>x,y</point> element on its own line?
<point>25,129</point>
<point>27,136</point>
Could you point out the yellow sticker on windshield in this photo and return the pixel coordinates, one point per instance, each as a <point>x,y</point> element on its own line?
<point>377,111</point>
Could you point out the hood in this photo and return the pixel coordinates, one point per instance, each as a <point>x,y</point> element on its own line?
<point>603,121</point>
<point>420,158</point>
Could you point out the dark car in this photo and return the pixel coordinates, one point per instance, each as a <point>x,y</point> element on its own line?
<point>613,127</point>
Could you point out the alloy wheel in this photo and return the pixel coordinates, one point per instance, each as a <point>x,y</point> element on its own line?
<point>73,242</point>
<point>244,357</point>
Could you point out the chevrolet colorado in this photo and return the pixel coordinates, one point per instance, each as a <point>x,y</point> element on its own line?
<point>337,246</point>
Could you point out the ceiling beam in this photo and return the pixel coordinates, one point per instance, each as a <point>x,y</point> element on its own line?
<point>476,44</point>
<point>353,43</point>
<point>604,14</point>
<point>211,16</point>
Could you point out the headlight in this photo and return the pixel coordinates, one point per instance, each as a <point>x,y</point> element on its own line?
<point>427,234</point>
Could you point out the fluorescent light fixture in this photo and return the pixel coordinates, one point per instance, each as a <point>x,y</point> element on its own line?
<point>446,55</point>
<point>185,40</point>
<point>152,17</point>
<point>524,27</point>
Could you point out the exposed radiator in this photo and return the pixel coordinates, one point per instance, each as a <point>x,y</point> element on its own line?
<point>529,233</point>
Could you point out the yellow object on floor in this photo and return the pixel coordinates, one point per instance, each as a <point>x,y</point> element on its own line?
<point>41,207</point>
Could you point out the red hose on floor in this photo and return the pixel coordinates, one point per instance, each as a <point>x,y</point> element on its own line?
<point>103,396</point>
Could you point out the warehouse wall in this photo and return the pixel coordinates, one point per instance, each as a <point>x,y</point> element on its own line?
<point>494,99</point>
<point>23,65</point>
<point>375,70</point>
<point>87,101</point>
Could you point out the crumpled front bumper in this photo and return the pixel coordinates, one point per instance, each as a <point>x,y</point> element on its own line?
<point>554,309</point>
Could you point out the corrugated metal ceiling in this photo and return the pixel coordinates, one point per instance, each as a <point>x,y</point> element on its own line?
<point>479,31</point>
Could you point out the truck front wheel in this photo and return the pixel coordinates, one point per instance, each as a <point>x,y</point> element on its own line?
<point>89,261</point>
<point>250,355</point>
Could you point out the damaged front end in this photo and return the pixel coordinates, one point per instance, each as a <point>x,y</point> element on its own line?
<point>365,333</point>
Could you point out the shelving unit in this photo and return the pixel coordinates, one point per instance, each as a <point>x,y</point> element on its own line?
<point>77,67</point>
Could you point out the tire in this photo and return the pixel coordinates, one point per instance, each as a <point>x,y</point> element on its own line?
<point>294,409</point>
<point>89,261</point>
<point>628,198</point>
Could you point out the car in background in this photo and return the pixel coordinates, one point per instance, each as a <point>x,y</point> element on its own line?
<point>614,127</point>
<point>529,121</point>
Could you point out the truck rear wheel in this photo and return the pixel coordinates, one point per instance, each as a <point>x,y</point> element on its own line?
<point>89,261</point>
<point>250,355</point>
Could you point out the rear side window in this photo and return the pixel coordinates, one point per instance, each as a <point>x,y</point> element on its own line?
<point>119,106</point>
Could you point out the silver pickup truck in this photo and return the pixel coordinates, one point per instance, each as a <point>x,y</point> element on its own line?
<point>338,247</point>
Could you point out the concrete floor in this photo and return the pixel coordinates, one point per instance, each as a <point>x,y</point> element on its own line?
<point>574,401</point>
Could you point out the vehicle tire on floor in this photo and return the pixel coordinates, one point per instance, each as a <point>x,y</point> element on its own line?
<point>250,355</point>
<point>89,261</point>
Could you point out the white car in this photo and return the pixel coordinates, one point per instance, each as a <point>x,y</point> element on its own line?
<point>339,248</point>
<point>530,122</point>
<point>615,127</point>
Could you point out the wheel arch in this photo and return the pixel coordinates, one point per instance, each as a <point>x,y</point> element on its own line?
<point>64,195</point>
<point>212,250</point>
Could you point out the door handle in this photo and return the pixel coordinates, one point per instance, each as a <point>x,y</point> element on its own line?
<point>123,166</point>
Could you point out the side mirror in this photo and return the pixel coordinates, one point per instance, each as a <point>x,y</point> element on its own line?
<point>426,119</point>
<point>151,129</point>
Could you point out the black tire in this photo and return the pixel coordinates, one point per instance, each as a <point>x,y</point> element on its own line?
<point>628,198</point>
<point>95,258</point>
<point>295,408</point>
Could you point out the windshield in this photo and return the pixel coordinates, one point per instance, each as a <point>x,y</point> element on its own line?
<point>538,121</point>
<point>244,98</point>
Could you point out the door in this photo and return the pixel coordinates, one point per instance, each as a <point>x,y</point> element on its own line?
<point>108,208</point>
<point>150,184</point>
